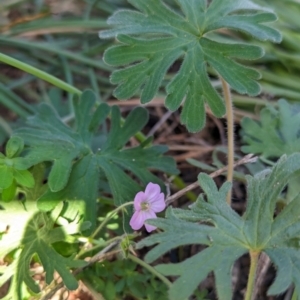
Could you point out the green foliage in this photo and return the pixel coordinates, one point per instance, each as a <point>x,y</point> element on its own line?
<point>228,236</point>
<point>39,174</point>
<point>78,163</point>
<point>276,133</point>
<point>160,36</point>
<point>120,278</point>
<point>33,233</point>
<point>13,169</point>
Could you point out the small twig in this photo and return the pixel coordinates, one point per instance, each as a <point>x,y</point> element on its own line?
<point>164,118</point>
<point>98,257</point>
<point>247,159</point>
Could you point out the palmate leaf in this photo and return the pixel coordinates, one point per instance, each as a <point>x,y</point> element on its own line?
<point>276,133</point>
<point>155,36</point>
<point>37,236</point>
<point>228,235</point>
<point>77,166</point>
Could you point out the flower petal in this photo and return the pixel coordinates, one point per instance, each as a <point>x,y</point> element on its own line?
<point>152,190</point>
<point>139,217</point>
<point>150,228</point>
<point>149,214</point>
<point>158,203</point>
<point>138,199</point>
<point>137,220</point>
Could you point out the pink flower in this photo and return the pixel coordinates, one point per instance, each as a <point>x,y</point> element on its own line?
<point>146,204</point>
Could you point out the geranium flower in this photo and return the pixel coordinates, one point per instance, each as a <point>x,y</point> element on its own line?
<point>146,204</point>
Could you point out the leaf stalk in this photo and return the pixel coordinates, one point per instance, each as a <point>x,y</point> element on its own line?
<point>110,216</point>
<point>254,256</point>
<point>230,134</point>
<point>150,269</point>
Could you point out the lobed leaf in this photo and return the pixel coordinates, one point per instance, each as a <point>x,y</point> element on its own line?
<point>79,162</point>
<point>227,235</point>
<point>276,133</point>
<point>38,235</point>
<point>155,36</point>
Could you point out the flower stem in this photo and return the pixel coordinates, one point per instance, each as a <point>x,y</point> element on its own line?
<point>150,269</point>
<point>95,245</point>
<point>38,73</point>
<point>254,255</point>
<point>294,296</point>
<point>111,215</point>
<point>230,134</point>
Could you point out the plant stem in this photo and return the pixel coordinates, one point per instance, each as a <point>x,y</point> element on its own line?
<point>230,134</point>
<point>294,296</point>
<point>111,215</point>
<point>150,269</point>
<point>254,255</point>
<point>38,73</point>
<point>98,245</point>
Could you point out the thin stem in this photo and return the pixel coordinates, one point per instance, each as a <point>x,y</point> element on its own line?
<point>38,73</point>
<point>150,269</point>
<point>245,160</point>
<point>111,215</point>
<point>230,134</point>
<point>97,245</point>
<point>294,296</point>
<point>263,265</point>
<point>254,255</point>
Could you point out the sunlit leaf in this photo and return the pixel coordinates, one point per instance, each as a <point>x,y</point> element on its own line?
<point>38,235</point>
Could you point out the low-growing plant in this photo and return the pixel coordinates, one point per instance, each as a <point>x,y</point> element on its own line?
<point>63,179</point>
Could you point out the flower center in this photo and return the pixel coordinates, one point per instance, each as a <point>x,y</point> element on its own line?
<point>145,206</point>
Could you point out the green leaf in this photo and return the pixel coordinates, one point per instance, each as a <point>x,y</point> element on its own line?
<point>6,176</point>
<point>9,193</point>
<point>109,292</point>
<point>38,172</point>
<point>38,236</point>
<point>77,168</point>
<point>275,134</point>
<point>14,146</point>
<point>228,236</point>
<point>24,178</point>
<point>82,189</point>
<point>13,169</point>
<point>161,36</point>
<point>14,215</point>
<point>9,175</point>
